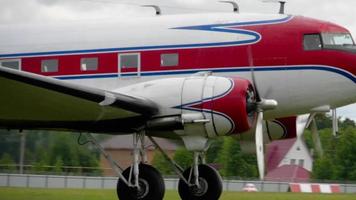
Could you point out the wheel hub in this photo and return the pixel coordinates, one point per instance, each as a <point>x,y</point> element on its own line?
<point>202,189</point>
<point>143,189</point>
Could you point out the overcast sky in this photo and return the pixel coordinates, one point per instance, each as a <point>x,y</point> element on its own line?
<point>50,11</point>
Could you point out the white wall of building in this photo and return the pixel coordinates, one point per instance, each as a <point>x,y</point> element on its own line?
<point>298,154</point>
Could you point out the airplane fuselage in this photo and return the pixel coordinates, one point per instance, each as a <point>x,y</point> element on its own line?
<point>302,78</point>
<point>188,77</point>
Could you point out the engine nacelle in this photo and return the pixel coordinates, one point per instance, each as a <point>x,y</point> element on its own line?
<point>207,105</point>
<point>223,101</point>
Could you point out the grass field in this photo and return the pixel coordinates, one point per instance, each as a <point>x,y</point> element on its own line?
<point>80,194</point>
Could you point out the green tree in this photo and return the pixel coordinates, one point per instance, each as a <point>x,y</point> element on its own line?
<point>213,152</point>
<point>345,155</point>
<point>323,169</point>
<point>162,164</point>
<point>347,123</point>
<point>40,167</point>
<point>62,145</point>
<point>234,161</point>
<point>326,138</point>
<point>224,155</point>
<point>183,157</point>
<point>44,147</point>
<point>339,160</point>
<point>10,143</point>
<point>7,162</point>
<point>87,159</point>
<point>73,155</point>
<point>58,165</point>
<point>323,121</point>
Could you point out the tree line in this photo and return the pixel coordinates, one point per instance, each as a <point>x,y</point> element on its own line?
<point>224,154</point>
<point>338,161</point>
<point>47,152</point>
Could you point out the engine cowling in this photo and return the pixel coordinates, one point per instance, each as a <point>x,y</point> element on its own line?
<point>207,105</point>
<point>221,100</point>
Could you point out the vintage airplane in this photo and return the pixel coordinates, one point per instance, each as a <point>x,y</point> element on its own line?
<point>191,77</point>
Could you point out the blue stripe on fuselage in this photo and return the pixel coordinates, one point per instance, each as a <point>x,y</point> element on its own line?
<point>212,27</point>
<point>216,70</point>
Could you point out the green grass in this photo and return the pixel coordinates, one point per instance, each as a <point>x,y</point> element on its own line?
<point>87,194</point>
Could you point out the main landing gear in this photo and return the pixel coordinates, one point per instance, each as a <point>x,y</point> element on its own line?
<point>144,182</point>
<point>202,182</point>
<point>140,181</point>
<point>150,184</point>
<point>199,182</point>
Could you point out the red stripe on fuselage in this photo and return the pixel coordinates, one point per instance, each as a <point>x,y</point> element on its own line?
<point>70,64</point>
<point>281,44</point>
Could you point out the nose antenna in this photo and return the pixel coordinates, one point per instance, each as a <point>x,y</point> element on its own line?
<point>234,4</point>
<point>157,8</point>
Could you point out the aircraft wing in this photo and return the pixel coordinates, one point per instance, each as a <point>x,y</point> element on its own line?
<point>33,101</point>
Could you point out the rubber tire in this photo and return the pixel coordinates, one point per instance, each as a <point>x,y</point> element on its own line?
<point>152,177</point>
<point>213,180</point>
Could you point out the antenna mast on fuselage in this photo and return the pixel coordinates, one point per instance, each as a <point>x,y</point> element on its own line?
<point>157,8</point>
<point>282,5</point>
<point>234,4</point>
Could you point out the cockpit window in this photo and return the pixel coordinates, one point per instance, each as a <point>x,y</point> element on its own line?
<point>312,42</point>
<point>329,41</point>
<point>337,39</point>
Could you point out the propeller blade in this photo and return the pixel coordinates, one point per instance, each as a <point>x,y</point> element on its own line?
<point>259,145</point>
<point>258,97</point>
<point>335,123</point>
<point>250,60</point>
<point>316,138</point>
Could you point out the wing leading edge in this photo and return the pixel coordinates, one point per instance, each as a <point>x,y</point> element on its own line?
<point>34,101</point>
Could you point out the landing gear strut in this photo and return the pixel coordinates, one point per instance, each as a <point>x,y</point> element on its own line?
<point>140,181</point>
<point>199,182</point>
<point>204,182</point>
<point>145,182</point>
<point>150,184</point>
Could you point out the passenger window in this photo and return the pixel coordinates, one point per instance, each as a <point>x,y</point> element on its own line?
<point>312,42</point>
<point>169,60</point>
<point>89,64</point>
<point>129,61</point>
<point>49,65</point>
<point>12,64</point>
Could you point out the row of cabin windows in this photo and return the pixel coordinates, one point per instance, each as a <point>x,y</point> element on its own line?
<point>86,64</point>
<point>91,64</point>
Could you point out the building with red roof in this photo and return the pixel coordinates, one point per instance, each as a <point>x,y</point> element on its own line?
<point>288,160</point>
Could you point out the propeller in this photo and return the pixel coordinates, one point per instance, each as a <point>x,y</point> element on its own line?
<point>335,122</point>
<point>259,106</point>
<point>259,145</point>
